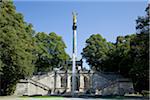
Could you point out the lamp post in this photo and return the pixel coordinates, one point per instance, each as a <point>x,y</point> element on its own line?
<point>74,27</point>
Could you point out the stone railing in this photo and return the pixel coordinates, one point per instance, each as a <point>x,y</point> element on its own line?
<point>41,85</point>
<point>38,77</point>
<point>110,83</point>
<point>38,84</point>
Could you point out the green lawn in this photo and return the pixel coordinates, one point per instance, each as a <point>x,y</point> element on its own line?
<point>41,98</point>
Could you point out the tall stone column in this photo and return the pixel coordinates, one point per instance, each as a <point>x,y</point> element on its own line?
<point>74,53</point>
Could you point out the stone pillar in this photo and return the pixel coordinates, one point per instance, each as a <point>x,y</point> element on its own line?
<point>91,80</point>
<point>58,82</point>
<point>55,76</point>
<point>69,83</point>
<point>81,89</point>
<point>27,87</point>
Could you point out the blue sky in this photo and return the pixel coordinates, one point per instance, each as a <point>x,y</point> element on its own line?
<point>109,18</point>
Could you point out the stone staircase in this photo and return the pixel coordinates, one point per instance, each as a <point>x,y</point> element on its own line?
<point>109,84</point>
<point>36,83</point>
<point>41,85</point>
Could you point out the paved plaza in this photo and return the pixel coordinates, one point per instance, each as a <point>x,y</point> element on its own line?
<point>63,98</point>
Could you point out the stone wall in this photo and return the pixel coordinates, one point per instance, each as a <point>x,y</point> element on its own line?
<point>59,82</point>
<point>120,87</point>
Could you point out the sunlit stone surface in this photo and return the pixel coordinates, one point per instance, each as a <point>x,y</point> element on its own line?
<point>87,83</point>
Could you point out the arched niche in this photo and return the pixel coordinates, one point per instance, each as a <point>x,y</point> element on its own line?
<point>63,81</point>
<point>77,83</point>
<point>86,83</point>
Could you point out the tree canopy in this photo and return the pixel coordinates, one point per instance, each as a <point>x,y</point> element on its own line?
<point>16,45</point>
<point>50,51</point>
<point>95,51</point>
<point>140,53</point>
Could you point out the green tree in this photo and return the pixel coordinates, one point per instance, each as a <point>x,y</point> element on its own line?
<point>16,46</point>
<point>50,51</point>
<point>96,51</point>
<point>118,58</point>
<point>140,52</point>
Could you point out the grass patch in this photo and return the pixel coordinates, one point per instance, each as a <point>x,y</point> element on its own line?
<point>47,97</point>
<point>40,98</point>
